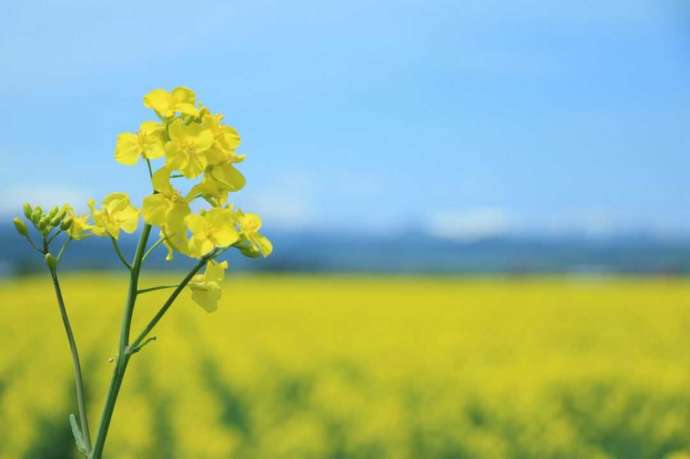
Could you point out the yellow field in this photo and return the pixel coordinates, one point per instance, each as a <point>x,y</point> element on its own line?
<point>353,367</point>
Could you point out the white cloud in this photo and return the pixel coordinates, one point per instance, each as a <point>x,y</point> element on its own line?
<point>469,225</point>
<point>12,199</point>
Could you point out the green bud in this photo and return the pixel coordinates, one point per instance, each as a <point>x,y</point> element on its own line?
<point>57,219</point>
<point>44,222</point>
<point>27,210</point>
<point>66,224</point>
<point>53,212</point>
<point>36,215</point>
<point>21,227</point>
<point>51,261</point>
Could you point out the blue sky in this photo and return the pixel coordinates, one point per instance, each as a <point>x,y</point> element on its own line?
<point>459,118</point>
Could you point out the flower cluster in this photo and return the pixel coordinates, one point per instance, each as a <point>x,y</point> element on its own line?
<point>193,144</point>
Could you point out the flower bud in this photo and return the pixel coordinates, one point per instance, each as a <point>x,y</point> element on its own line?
<point>51,261</point>
<point>27,210</point>
<point>66,224</point>
<point>53,212</point>
<point>57,219</point>
<point>21,227</point>
<point>36,215</point>
<point>44,222</point>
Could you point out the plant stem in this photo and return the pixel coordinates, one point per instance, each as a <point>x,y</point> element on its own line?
<point>119,253</point>
<point>153,289</point>
<point>123,355</point>
<point>171,299</point>
<point>78,379</point>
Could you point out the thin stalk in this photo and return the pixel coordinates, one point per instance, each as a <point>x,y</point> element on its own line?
<point>123,355</point>
<point>78,379</point>
<point>160,287</point>
<point>51,238</point>
<point>148,166</point>
<point>155,244</point>
<point>119,254</point>
<point>171,299</point>
<point>62,249</point>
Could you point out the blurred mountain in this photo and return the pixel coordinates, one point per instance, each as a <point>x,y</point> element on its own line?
<point>407,252</point>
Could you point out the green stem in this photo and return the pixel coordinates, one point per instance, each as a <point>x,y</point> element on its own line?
<point>78,379</point>
<point>119,253</point>
<point>155,244</point>
<point>148,166</point>
<point>123,355</point>
<point>171,299</point>
<point>153,289</point>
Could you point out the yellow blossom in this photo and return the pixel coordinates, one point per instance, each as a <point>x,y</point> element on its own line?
<point>147,142</point>
<point>187,148</point>
<point>206,288</point>
<point>225,139</point>
<point>218,181</point>
<point>116,214</point>
<point>166,104</point>
<point>253,243</point>
<point>167,209</point>
<point>211,229</point>
<point>79,226</point>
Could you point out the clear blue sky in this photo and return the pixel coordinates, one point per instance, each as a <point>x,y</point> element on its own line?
<point>456,117</point>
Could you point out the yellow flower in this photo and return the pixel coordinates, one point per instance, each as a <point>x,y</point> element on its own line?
<point>187,148</point>
<point>210,229</point>
<point>80,225</point>
<point>226,139</point>
<point>116,214</point>
<point>206,288</point>
<point>167,209</point>
<point>253,243</point>
<point>218,181</point>
<point>166,104</point>
<point>147,142</point>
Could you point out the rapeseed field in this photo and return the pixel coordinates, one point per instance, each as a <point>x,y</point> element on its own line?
<point>360,367</point>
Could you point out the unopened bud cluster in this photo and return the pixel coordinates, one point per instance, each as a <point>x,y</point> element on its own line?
<point>44,221</point>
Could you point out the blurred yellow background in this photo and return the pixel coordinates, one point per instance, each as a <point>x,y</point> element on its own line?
<point>360,367</point>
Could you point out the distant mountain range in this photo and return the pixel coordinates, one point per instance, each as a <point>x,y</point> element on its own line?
<point>410,252</point>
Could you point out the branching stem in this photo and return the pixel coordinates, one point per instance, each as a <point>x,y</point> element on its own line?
<point>171,299</point>
<point>78,379</point>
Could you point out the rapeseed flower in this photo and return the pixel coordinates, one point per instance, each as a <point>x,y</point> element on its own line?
<point>226,139</point>
<point>206,288</point>
<point>167,104</point>
<point>186,150</point>
<point>79,226</point>
<point>253,243</point>
<point>147,142</point>
<point>211,229</point>
<point>116,214</point>
<point>167,209</point>
<point>218,181</point>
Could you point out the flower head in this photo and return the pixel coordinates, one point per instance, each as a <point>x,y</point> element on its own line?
<point>252,243</point>
<point>78,226</point>
<point>219,180</point>
<point>166,104</point>
<point>206,288</point>
<point>211,229</point>
<point>187,148</point>
<point>116,214</point>
<point>225,139</point>
<point>166,208</point>
<point>147,142</point>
